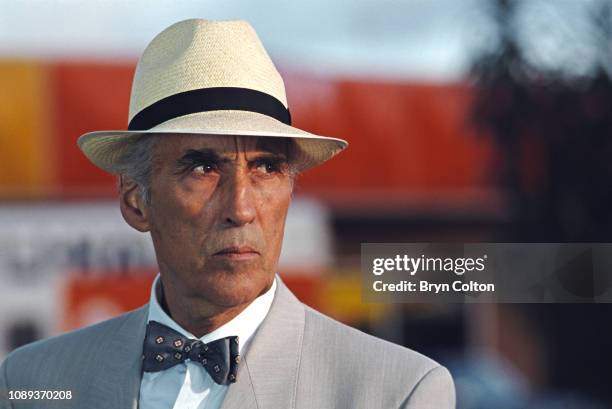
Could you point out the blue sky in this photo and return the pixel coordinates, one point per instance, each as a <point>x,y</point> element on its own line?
<point>414,39</point>
<point>420,38</point>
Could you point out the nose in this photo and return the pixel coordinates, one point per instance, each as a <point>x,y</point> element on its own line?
<point>240,200</point>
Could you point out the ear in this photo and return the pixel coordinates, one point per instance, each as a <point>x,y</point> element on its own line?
<point>132,205</point>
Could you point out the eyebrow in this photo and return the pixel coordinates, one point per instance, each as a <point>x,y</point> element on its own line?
<point>270,155</point>
<point>193,156</point>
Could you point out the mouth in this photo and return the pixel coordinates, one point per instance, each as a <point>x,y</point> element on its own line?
<point>237,253</point>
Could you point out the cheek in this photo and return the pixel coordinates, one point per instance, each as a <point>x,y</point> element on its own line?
<point>182,203</point>
<point>176,218</point>
<point>275,205</point>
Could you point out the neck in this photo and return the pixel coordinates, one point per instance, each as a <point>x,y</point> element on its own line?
<point>200,320</point>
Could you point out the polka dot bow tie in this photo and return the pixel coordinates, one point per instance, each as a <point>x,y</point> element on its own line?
<point>164,348</point>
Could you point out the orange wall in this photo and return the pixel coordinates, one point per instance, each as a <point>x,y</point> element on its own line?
<point>403,136</point>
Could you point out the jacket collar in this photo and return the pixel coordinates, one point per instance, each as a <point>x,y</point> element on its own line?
<point>268,376</point>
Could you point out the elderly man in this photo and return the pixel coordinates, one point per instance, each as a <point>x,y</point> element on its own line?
<point>207,167</point>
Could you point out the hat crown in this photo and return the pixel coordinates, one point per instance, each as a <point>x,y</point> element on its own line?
<point>197,53</point>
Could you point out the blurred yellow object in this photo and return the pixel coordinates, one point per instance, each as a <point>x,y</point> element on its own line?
<point>26,154</point>
<point>341,299</point>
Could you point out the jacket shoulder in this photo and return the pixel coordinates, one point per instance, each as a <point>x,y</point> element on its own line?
<point>354,360</point>
<point>353,343</point>
<point>79,336</point>
<point>58,352</point>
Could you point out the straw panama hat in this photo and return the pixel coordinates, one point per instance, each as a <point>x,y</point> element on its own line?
<point>211,78</point>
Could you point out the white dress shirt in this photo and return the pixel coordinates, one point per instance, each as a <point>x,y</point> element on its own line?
<point>188,385</point>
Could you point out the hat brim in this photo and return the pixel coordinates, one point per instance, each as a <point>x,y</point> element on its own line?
<point>106,149</point>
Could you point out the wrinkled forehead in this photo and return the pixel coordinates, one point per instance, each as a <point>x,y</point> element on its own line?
<point>227,146</point>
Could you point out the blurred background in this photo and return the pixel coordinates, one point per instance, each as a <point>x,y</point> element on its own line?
<point>471,120</point>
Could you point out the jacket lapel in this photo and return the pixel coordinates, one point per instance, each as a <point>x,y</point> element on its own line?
<point>116,383</point>
<point>267,376</point>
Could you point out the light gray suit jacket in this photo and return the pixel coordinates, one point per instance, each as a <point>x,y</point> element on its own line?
<point>298,358</point>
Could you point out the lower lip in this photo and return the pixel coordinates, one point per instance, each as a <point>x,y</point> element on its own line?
<point>237,256</point>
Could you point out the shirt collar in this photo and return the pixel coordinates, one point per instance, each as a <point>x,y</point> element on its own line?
<point>243,324</point>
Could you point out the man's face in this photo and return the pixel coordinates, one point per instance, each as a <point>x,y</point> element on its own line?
<point>217,214</point>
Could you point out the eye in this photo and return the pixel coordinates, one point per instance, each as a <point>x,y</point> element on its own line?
<point>270,166</point>
<point>204,168</point>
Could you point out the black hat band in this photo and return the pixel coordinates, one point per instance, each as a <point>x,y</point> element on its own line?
<point>209,99</point>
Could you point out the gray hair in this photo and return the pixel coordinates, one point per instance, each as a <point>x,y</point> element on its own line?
<point>137,163</point>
